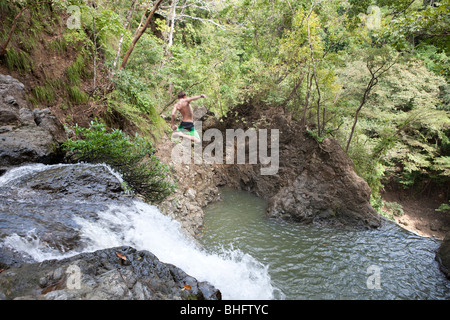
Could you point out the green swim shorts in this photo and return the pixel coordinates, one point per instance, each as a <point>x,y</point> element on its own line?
<point>188,128</point>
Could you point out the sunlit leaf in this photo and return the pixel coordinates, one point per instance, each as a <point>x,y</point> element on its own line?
<point>121,256</point>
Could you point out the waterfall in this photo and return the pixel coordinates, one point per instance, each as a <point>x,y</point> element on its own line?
<point>140,225</point>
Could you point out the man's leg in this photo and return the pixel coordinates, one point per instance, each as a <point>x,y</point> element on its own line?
<point>183,133</point>
<point>195,136</point>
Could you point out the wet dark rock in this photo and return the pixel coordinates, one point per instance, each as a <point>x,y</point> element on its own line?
<point>443,255</point>
<point>73,182</point>
<point>26,135</point>
<point>104,274</point>
<point>49,201</point>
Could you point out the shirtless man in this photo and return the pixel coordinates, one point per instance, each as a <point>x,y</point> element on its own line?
<point>186,128</point>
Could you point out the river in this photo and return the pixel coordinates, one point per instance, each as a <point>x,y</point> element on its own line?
<point>311,262</point>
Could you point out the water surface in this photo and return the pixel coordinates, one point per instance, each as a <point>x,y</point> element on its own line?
<point>310,262</point>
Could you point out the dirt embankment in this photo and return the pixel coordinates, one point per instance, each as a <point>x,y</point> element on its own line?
<point>419,212</point>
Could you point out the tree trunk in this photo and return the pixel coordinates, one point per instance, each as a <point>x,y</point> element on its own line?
<point>373,81</point>
<point>125,26</point>
<point>308,91</point>
<point>311,49</point>
<point>293,92</point>
<point>142,18</point>
<point>172,16</point>
<point>140,33</point>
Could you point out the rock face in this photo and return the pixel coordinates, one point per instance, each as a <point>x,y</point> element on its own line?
<point>196,185</point>
<point>49,202</point>
<point>326,190</point>
<point>121,273</point>
<point>443,255</point>
<point>25,135</point>
<point>315,182</point>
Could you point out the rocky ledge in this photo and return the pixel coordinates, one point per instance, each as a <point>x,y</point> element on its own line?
<point>26,134</point>
<point>121,273</point>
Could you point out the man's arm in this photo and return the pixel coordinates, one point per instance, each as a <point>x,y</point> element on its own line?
<point>174,111</point>
<point>196,97</point>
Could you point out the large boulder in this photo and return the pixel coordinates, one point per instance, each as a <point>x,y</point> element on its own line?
<point>327,190</point>
<point>315,181</point>
<point>121,273</point>
<point>26,135</point>
<point>443,255</point>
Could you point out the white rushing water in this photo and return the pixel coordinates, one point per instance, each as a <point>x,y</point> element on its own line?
<point>236,274</point>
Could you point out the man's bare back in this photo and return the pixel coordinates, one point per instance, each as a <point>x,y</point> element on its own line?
<point>184,107</point>
<point>187,123</point>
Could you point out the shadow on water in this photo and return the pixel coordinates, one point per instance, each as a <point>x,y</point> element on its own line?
<point>311,262</point>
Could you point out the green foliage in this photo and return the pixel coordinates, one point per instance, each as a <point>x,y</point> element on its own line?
<point>104,27</point>
<point>392,209</point>
<point>445,207</point>
<point>44,94</point>
<point>59,45</point>
<point>314,135</point>
<point>78,40</point>
<point>367,165</point>
<point>402,128</point>
<point>136,101</point>
<point>435,59</point>
<point>133,157</point>
<point>75,71</point>
<point>426,24</point>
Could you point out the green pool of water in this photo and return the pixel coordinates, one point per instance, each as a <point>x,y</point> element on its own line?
<point>311,262</point>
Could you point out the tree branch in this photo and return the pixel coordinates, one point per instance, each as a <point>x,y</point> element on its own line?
<point>372,83</point>
<point>14,25</point>
<point>140,33</point>
<point>203,20</point>
<point>401,11</point>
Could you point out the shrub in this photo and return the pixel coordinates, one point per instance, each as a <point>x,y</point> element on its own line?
<point>394,208</point>
<point>18,60</point>
<point>445,207</point>
<point>133,157</point>
<point>44,94</point>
